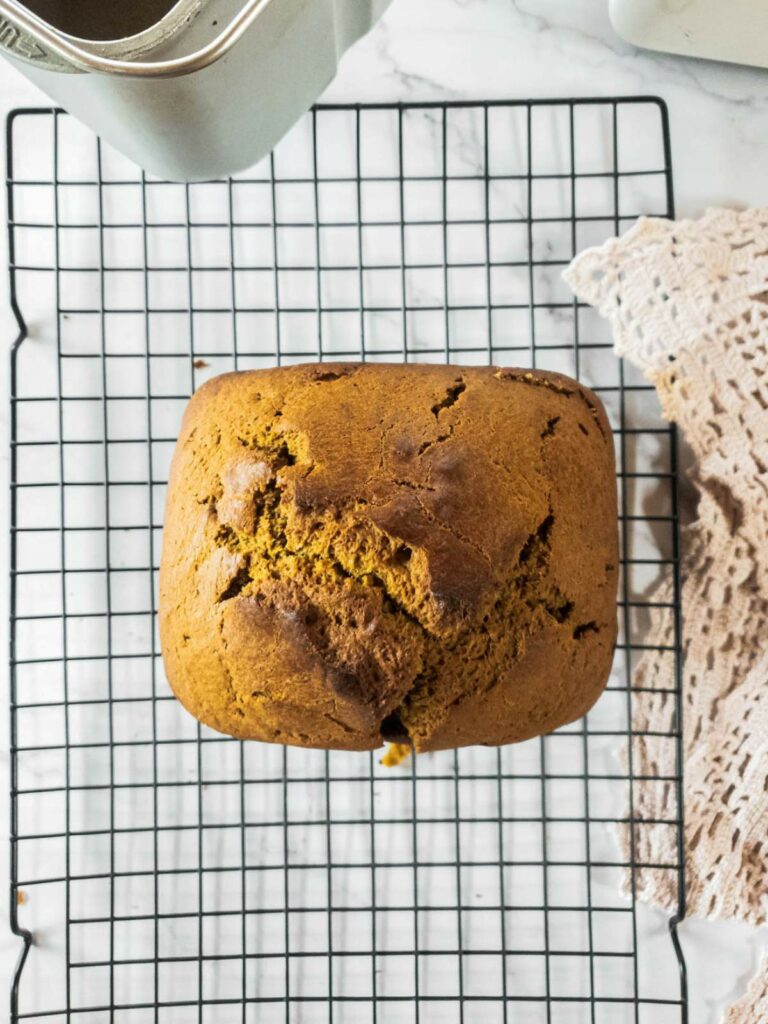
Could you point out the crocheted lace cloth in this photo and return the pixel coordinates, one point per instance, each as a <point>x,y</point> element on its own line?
<point>688,304</point>
<point>752,1008</point>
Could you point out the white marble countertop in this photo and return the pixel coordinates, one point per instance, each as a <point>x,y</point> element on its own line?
<point>455,49</point>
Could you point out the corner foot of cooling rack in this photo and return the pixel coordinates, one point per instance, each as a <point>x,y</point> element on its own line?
<point>674,923</point>
<point>28,940</point>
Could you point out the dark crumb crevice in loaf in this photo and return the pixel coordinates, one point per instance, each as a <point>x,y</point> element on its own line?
<point>236,585</point>
<point>337,373</point>
<point>539,539</point>
<point>392,729</point>
<point>584,628</point>
<point>452,395</point>
<point>561,610</point>
<point>549,430</point>
<point>440,439</point>
<point>414,486</point>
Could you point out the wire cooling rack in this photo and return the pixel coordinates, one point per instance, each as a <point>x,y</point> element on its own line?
<point>161,872</point>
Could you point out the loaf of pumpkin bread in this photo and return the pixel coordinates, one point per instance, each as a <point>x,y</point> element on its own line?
<point>356,553</point>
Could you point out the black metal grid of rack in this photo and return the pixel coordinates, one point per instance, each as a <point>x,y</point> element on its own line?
<point>171,874</point>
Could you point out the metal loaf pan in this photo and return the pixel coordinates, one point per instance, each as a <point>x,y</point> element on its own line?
<point>208,90</point>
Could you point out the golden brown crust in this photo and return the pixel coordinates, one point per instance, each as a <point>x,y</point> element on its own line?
<point>353,551</point>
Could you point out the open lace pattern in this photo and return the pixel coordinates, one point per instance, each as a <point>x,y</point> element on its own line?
<point>752,1008</point>
<point>688,304</point>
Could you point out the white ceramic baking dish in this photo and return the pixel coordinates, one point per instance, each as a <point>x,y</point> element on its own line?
<point>207,90</point>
